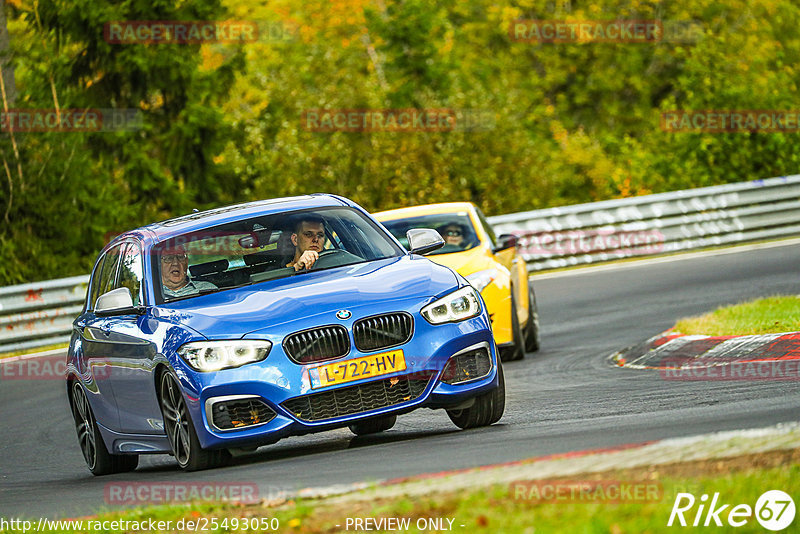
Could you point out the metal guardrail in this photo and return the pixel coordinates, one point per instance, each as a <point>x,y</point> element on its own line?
<point>655,224</point>
<point>41,313</point>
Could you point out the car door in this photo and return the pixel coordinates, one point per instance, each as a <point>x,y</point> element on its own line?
<point>132,363</point>
<point>516,266</point>
<point>95,343</point>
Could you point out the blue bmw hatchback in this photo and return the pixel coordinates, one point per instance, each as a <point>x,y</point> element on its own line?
<point>235,327</point>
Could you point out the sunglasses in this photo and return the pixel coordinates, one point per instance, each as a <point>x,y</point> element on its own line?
<point>452,233</point>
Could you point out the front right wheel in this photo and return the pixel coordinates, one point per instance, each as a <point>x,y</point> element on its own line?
<point>487,408</point>
<point>374,425</point>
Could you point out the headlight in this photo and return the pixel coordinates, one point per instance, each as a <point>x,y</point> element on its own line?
<point>481,279</point>
<point>209,356</point>
<point>456,306</point>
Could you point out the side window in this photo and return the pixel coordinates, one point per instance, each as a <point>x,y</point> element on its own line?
<point>131,272</point>
<point>108,274</point>
<point>487,227</point>
<point>334,241</point>
<point>96,281</point>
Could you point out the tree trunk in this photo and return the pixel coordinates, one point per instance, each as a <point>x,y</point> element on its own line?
<point>5,58</point>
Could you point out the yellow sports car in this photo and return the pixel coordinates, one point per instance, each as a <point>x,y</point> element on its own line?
<point>488,262</point>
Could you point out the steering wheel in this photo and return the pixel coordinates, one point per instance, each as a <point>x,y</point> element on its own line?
<point>449,248</point>
<point>328,253</point>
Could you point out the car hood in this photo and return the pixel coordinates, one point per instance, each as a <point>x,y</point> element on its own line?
<point>234,313</point>
<point>466,262</point>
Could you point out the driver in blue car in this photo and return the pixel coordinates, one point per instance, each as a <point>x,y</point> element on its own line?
<point>175,275</point>
<point>308,239</point>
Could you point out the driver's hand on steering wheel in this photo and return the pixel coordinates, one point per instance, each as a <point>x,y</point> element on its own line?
<point>307,260</point>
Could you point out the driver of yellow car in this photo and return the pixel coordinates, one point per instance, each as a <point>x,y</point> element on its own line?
<point>453,234</point>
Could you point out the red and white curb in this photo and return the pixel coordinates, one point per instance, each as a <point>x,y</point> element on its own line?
<point>671,349</point>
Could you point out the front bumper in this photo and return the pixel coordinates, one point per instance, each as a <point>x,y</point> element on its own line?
<point>282,386</point>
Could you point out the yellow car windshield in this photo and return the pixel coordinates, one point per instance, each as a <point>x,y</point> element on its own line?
<point>455,228</point>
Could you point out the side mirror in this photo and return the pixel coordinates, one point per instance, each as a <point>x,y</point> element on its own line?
<point>116,302</point>
<point>249,241</point>
<point>505,241</point>
<point>424,240</point>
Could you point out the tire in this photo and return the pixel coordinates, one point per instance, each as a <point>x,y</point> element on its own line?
<point>532,336</point>
<point>515,351</point>
<point>374,425</point>
<point>180,430</point>
<point>99,461</point>
<point>487,409</point>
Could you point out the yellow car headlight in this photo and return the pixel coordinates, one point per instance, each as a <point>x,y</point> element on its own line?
<point>479,280</point>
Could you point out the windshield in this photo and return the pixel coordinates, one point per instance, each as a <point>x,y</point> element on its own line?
<point>455,228</point>
<point>264,248</point>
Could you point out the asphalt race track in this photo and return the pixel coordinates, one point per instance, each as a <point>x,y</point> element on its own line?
<point>564,398</point>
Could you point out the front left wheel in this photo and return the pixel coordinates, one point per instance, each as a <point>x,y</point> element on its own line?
<point>180,430</point>
<point>487,408</point>
<point>98,459</point>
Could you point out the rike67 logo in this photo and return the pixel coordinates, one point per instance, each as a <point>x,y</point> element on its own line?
<point>774,510</point>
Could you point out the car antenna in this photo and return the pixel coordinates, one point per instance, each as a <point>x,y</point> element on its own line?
<point>195,210</point>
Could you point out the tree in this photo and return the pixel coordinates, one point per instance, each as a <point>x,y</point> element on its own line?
<point>76,188</point>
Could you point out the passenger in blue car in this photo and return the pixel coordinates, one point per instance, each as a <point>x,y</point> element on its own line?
<point>174,275</point>
<point>308,239</point>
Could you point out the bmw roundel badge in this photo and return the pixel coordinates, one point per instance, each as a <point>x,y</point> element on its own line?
<point>343,314</point>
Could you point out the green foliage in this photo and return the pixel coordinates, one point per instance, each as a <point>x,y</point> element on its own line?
<point>570,122</point>
<point>71,190</point>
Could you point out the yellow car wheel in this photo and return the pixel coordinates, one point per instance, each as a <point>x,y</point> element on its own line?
<point>532,336</point>
<point>516,351</point>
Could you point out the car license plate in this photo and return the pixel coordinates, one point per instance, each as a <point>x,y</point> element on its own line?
<point>357,369</point>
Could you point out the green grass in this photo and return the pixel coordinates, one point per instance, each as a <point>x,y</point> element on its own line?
<point>496,510</point>
<point>769,315</point>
